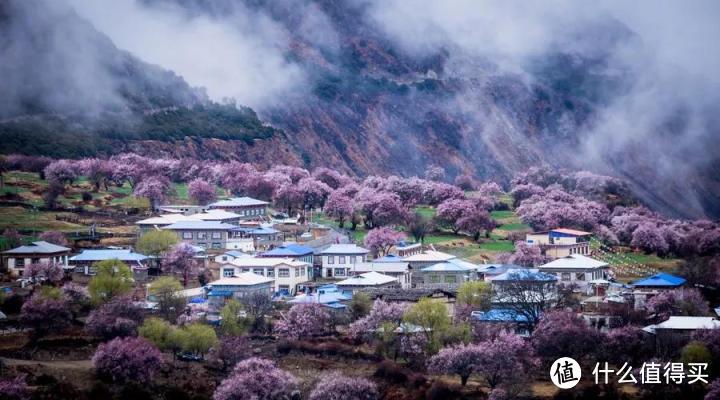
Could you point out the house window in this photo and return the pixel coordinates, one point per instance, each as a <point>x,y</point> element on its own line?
<point>580,276</point>
<point>434,279</point>
<point>352,259</point>
<point>341,260</point>
<point>227,272</point>
<point>258,271</point>
<point>217,235</point>
<point>270,273</point>
<point>331,259</point>
<point>224,258</point>
<point>565,276</point>
<point>283,273</point>
<point>19,263</point>
<point>302,271</point>
<point>216,245</point>
<point>246,270</point>
<point>297,271</point>
<point>187,235</point>
<point>202,235</point>
<point>339,271</point>
<point>450,279</point>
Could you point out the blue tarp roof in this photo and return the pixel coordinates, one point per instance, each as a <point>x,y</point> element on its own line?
<point>500,315</point>
<point>290,250</point>
<point>661,279</point>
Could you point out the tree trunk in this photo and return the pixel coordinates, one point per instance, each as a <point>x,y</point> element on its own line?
<point>464,379</point>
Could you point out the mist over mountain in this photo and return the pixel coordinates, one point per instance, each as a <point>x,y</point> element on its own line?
<point>376,87</point>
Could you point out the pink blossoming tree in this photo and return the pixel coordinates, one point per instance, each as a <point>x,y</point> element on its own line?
<point>130,359</point>
<point>257,378</point>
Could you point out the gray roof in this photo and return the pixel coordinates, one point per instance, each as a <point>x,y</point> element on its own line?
<point>448,266</point>
<point>199,225</point>
<point>39,247</point>
<point>109,254</point>
<point>238,202</point>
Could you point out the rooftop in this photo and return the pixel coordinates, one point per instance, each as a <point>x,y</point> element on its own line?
<point>214,215</point>
<point>685,323</point>
<point>453,265</point>
<point>289,250</point>
<point>524,274</point>
<point>242,279</point>
<point>367,279</point>
<point>574,261</point>
<point>200,225</point>
<point>39,247</point>
<point>388,258</point>
<point>238,202</point>
<point>429,256</point>
<point>345,249</point>
<point>165,219</point>
<point>572,232</point>
<point>109,254</point>
<point>660,280</point>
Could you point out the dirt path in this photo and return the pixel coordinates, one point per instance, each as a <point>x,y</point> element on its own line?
<point>61,364</point>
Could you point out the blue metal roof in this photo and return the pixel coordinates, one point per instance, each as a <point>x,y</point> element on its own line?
<point>388,258</point>
<point>661,280</point>
<point>499,315</point>
<point>524,274</point>
<point>290,250</point>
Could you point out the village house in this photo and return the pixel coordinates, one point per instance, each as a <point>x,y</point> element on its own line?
<point>289,275</point>
<point>368,280</point>
<point>561,242</point>
<point>577,269</point>
<point>15,260</point>
<point>296,252</point>
<point>672,334</point>
<point>259,237</point>
<point>339,259</point>
<point>246,207</point>
<point>645,288</point>
<point>208,234</point>
<point>399,270</point>
<point>448,274</point>
<point>425,259</point>
<point>239,286</point>
<point>524,285</point>
<point>83,262</point>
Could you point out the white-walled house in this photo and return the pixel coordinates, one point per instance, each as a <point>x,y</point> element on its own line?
<point>36,252</point>
<point>339,259</point>
<point>368,280</point>
<point>398,270</point>
<point>288,274</point>
<point>576,269</point>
